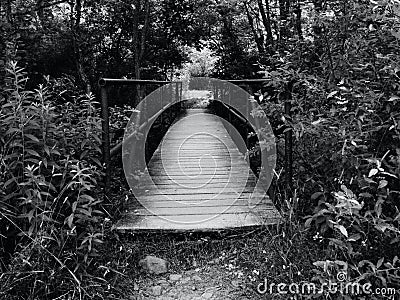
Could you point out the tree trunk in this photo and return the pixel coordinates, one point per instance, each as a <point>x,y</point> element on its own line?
<point>259,38</point>
<point>40,11</point>
<point>141,92</point>
<point>284,6</point>
<point>317,30</point>
<point>266,18</point>
<point>297,12</point>
<point>8,11</point>
<point>139,40</point>
<point>77,45</point>
<point>135,38</point>
<point>145,28</point>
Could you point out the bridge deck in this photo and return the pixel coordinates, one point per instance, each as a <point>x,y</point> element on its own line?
<point>202,182</point>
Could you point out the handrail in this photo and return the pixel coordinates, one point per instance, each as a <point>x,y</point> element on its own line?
<point>244,120</point>
<point>288,133</point>
<point>104,84</point>
<point>104,81</point>
<point>246,80</point>
<point>117,148</point>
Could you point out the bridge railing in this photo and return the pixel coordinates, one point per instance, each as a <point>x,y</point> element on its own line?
<point>248,85</point>
<point>105,84</point>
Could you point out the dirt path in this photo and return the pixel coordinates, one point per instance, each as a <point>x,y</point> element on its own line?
<point>209,282</point>
<point>218,265</point>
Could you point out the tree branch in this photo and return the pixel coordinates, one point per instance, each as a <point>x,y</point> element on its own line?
<point>38,8</point>
<point>258,38</point>
<point>144,30</point>
<point>266,18</point>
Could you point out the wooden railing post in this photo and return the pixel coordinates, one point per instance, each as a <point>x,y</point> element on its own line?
<point>162,105</point>
<point>229,113</point>
<point>106,137</point>
<point>180,90</point>
<point>288,148</point>
<point>247,116</point>
<point>177,93</point>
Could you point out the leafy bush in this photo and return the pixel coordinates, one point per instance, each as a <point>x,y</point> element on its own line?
<point>49,197</point>
<point>346,128</point>
<point>364,242</point>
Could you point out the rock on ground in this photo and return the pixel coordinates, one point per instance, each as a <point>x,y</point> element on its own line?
<point>154,265</point>
<point>175,277</point>
<point>156,290</point>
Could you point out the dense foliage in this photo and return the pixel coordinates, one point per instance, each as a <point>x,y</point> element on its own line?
<point>344,86</point>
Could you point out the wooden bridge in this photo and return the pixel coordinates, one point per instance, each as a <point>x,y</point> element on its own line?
<point>198,179</point>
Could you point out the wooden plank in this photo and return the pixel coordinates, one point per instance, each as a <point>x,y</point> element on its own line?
<point>181,180</point>
<point>222,154</point>
<point>182,177</point>
<point>163,195</point>
<point>197,197</point>
<point>152,203</point>
<point>199,210</point>
<point>206,161</point>
<point>201,191</point>
<point>175,174</point>
<point>199,223</point>
<point>194,166</point>
<point>197,167</point>
<point>214,150</point>
<point>171,185</point>
<point>163,180</point>
<point>192,141</point>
